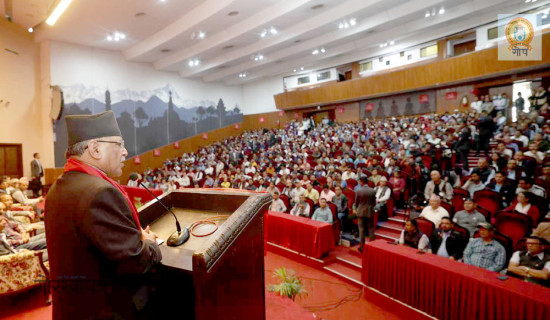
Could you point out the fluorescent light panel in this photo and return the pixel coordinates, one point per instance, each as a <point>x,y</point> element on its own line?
<point>58,11</point>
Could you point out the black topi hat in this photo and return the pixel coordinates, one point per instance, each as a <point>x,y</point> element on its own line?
<point>85,127</point>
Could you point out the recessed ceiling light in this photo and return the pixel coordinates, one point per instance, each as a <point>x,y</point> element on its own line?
<point>233,13</point>
<point>392,43</point>
<point>301,68</point>
<point>294,70</point>
<point>30,30</point>
<point>442,10</point>
<point>139,14</point>
<point>427,15</point>
<point>318,6</point>
<point>193,62</point>
<point>116,36</point>
<point>242,75</point>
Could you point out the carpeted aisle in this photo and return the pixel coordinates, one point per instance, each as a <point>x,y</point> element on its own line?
<point>328,298</point>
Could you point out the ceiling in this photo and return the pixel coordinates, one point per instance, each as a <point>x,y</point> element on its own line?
<point>160,32</point>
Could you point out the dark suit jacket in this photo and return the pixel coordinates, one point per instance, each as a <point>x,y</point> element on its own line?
<point>508,192</point>
<point>486,126</point>
<point>455,244</point>
<point>365,200</point>
<point>464,142</point>
<point>97,258</point>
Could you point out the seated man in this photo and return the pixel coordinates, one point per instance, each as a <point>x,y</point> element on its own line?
<point>505,189</point>
<point>527,185</point>
<point>277,205</point>
<point>474,183</point>
<point>412,237</point>
<point>5,247</point>
<point>434,212</point>
<point>446,242</point>
<point>209,182</point>
<point>18,237</point>
<point>327,193</point>
<point>532,264</point>
<point>543,231</point>
<point>341,202</point>
<point>323,213</point>
<point>486,173</point>
<point>301,208</point>
<point>382,194</point>
<point>19,194</point>
<point>296,192</point>
<point>485,252</point>
<point>312,193</point>
<point>438,187</point>
<point>469,218</point>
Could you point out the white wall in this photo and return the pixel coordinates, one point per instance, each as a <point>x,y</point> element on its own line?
<point>291,82</point>
<point>102,69</point>
<point>258,95</point>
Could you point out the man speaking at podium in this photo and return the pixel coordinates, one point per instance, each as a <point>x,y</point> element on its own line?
<point>99,254</point>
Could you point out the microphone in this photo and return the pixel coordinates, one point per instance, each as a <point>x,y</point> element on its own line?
<point>179,237</point>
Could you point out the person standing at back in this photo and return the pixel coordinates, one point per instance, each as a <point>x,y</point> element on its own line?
<point>37,172</point>
<point>100,256</point>
<point>365,200</point>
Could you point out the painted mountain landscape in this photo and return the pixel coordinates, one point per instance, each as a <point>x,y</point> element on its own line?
<point>147,119</point>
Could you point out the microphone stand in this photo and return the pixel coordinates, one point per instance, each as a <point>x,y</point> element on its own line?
<point>179,237</point>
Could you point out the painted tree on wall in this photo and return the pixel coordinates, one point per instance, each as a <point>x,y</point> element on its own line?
<point>141,116</point>
<point>200,112</point>
<point>107,100</point>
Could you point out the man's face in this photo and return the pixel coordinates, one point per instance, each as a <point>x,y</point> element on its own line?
<point>7,200</point>
<point>446,225</point>
<point>3,224</point>
<point>275,196</point>
<point>435,176</point>
<point>302,198</point>
<point>475,177</point>
<point>546,171</point>
<point>524,185</point>
<point>499,178</point>
<point>338,191</point>
<point>23,185</point>
<point>409,227</point>
<point>512,164</point>
<point>469,205</point>
<point>113,155</point>
<point>534,246</point>
<point>482,163</point>
<point>323,203</point>
<point>485,234</point>
<point>434,203</point>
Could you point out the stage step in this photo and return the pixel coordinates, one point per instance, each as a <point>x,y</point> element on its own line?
<point>393,224</point>
<point>345,271</point>
<point>387,234</point>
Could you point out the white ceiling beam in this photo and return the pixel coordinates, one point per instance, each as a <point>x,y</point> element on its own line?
<point>409,33</point>
<point>330,16</point>
<point>183,24</point>
<point>362,26</point>
<point>247,25</point>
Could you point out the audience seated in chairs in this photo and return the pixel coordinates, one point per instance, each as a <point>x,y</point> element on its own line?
<point>301,208</point>
<point>434,212</point>
<point>277,205</point>
<point>323,212</point>
<point>439,187</point>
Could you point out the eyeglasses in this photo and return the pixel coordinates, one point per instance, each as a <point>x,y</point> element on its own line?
<point>120,143</point>
<point>533,244</point>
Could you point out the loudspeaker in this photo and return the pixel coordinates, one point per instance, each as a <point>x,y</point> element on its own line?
<point>57,103</point>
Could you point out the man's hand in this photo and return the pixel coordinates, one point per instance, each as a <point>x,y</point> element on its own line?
<point>147,234</point>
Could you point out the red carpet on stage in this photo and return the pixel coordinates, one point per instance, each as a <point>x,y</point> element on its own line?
<point>328,298</point>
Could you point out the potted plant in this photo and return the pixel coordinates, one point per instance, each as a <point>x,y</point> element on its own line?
<point>290,285</point>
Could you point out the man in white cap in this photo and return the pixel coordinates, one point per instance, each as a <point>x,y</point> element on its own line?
<point>99,253</point>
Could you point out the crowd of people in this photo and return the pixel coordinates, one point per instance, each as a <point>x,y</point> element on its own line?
<point>415,162</point>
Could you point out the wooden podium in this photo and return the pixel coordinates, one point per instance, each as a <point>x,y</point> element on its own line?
<point>220,276</point>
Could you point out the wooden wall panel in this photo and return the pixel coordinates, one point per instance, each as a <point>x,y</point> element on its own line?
<point>462,69</point>
<point>350,113</point>
<point>444,105</point>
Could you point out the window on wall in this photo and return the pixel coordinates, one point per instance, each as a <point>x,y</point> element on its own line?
<point>492,33</point>
<point>365,66</point>
<point>428,51</point>
<point>303,80</point>
<point>323,75</point>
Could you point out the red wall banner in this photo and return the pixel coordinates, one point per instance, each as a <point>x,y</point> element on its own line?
<point>451,95</point>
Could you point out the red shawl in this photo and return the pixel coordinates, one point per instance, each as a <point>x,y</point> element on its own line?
<point>75,165</point>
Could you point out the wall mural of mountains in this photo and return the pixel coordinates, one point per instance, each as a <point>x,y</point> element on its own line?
<point>147,119</point>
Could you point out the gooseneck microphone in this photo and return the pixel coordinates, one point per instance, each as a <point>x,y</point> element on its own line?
<point>179,237</point>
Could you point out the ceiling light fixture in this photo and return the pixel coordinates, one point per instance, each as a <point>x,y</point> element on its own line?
<point>317,51</point>
<point>294,70</point>
<point>242,75</point>
<point>347,23</point>
<point>257,57</point>
<point>268,31</point>
<point>442,10</point>
<point>427,15</point>
<point>193,63</point>
<point>58,11</point>
<point>301,68</point>
<point>30,30</point>
<point>198,35</point>
<point>116,36</point>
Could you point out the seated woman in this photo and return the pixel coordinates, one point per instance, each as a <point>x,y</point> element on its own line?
<point>226,183</point>
<point>375,177</point>
<point>412,237</point>
<point>525,206</point>
<point>398,184</point>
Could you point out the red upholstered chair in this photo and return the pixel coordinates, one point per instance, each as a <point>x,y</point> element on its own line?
<point>514,225</point>
<point>280,186</point>
<point>488,215</point>
<point>458,199</point>
<point>488,199</point>
<point>426,226</point>
<point>286,201</point>
<point>384,174</point>
<point>351,183</point>
<point>449,207</point>
<point>350,194</point>
<point>322,180</point>
<point>390,206</point>
<point>463,231</point>
<point>311,204</point>
<point>427,161</point>
<point>370,184</point>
